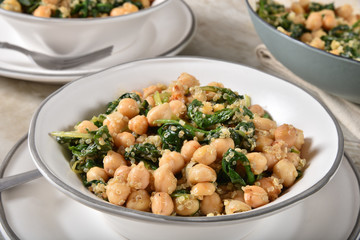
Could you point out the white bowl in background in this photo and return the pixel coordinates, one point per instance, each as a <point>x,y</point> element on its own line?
<point>77,36</point>
<point>88,96</point>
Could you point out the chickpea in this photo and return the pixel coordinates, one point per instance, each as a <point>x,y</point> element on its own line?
<point>124,139</point>
<point>304,3</point>
<point>174,160</point>
<point>201,173</point>
<point>318,33</point>
<point>205,155</point>
<point>271,160</point>
<point>345,11</point>
<point>297,8</point>
<point>151,101</point>
<point>234,206</point>
<point>162,111</point>
<point>162,204</point>
<point>97,173</point>
<point>116,123</point>
<point>86,126</point>
<point>238,195</point>
<point>329,22</point>
<point>203,189</point>
<point>164,179</point>
<point>128,107</point>
<point>264,124</point>
<point>186,206</point>
<point>295,159</point>
<point>299,142</point>
<point>221,145</point>
<point>121,173</point>
<point>258,162</point>
<point>178,108</point>
<point>317,43</point>
<point>188,149</point>
<point>42,11</point>
<point>117,192</point>
<point>255,196</point>
<point>216,84</point>
<point>306,37</point>
<point>112,161</point>
<point>145,3</point>
<point>139,176</point>
<point>271,185</point>
<point>139,124</point>
<point>139,200</point>
<point>286,171</point>
<point>286,133</point>
<point>211,204</point>
<point>53,2</point>
<point>257,109</point>
<point>186,80</point>
<point>126,8</point>
<point>314,21</point>
<point>152,89</point>
<point>262,142</point>
<point>11,5</point>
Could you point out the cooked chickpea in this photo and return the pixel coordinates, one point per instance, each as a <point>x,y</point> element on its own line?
<point>139,200</point>
<point>299,142</point>
<point>188,149</point>
<point>42,11</point>
<point>205,155</point>
<point>234,206</point>
<point>178,108</point>
<point>11,5</point>
<point>53,2</point>
<point>271,185</point>
<point>126,8</point>
<point>121,173</point>
<point>116,123</point>
<point>286,133</point>
<point>304,3</point>
<point>86,126</point>
<point>297,8</point>
<point>306,37</point>
<point>162,111</point>
<point>203,189</point>
<point>164,179</point>
<point>257,109</point>
<point>258,162</point>
<point>201,173</point>
<point>186,206</point>
<point>314,21</point>
<point>97,173</point>
<point>211,204</point>
<point>329,21</point>
<point>162,204</point>
<point>117,192</point>
<point>264,124</point>
<point>128,107</point>
<point>124,139</point>
<point>286,171</point>
<point>174,160</point>
<point>317,43</point>
<point>262,142</point>
<point>139,124</point>
<point>139,176</point>
<point>112,161</point>
<point>238,195</point>
<point>151,101</point>
<point>345,11</point>
<point>186,80</point>
<point>255,196</point>
<point>152,89</point>
<point>271,160</point>
<point>221,145</point>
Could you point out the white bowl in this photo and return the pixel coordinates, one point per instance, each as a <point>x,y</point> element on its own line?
<point>88,96</point>
<point>77,36</point>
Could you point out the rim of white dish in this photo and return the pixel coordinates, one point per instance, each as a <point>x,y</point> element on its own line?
<point>30,17</point>
<point>60,76</point>
<point>322,52</point>
<point>145,216</point>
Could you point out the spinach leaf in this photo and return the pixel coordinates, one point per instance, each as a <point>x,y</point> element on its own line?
<point>112,105</point>
<point>173,136</point>
<point>204,121</point>
<point>146,152</point>
<point>227,95</point>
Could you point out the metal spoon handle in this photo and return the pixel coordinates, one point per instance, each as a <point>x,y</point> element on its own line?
<point>12,181</point>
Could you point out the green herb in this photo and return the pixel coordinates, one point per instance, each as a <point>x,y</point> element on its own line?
<point>226,94</point>
<point>146,152</point>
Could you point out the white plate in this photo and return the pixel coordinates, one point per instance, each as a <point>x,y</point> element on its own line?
<point>37,210</point>
<point>165,35</point>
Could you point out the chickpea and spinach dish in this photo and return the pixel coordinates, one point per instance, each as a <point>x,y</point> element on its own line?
<point>75,8</point>
<point>324,26</point>
<point>185,150</point>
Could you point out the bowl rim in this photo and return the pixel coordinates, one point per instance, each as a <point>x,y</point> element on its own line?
<point>121,211</point>
<point>298,42</point>
<point>28,17</point>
